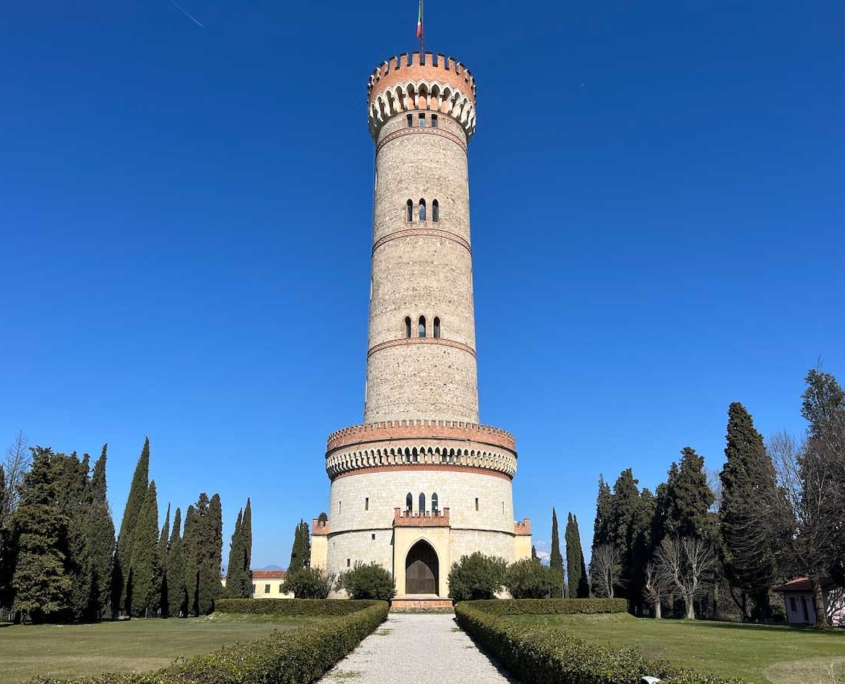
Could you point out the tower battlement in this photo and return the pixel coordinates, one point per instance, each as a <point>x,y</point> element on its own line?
<point>413,82</point>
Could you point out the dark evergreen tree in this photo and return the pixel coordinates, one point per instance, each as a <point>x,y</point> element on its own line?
<point>556,558</point>
<point>601,530</point>
<point>576,570</point>
<point>163,545</point>
<point>137,494</point>
<point>190,544</point>
<point>41,585</point>
<point>689,498</point>
<point>246,529</point>
<point>177,593</point>
<point>99,533</point>
<point>748,477</point>
<point>211,589</point>
<point>300,555</point>
<point>144,563</point>
<point>236,559</point>
<point>534,555</point>
<point>6,565</point>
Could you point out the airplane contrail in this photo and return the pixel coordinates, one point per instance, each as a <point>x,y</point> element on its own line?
<point>186,13</point>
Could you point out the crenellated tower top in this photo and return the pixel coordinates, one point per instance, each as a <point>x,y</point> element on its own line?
<point>414,82</point>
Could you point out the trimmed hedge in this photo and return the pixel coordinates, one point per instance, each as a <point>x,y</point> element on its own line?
<point>298,656</point>
<point>551,606</point>
<point>535,655</point>
<point>293,607</point>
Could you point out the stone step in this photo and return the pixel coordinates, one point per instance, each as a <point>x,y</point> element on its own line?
<point>419,603</point>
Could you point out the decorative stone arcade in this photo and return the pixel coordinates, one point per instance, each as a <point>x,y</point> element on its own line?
<point>420,483</point>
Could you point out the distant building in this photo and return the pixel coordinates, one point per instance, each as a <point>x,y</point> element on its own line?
<point>798,597</point>
<point>268,584</point>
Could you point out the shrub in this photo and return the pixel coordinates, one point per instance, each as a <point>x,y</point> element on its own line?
<point>529,579</point>
<point>369,581</point>
<point>537,656</point>
<point>476,577</point>
<point>293,607</point>
<point>308,583</point>
<point>552,606</point>
<point>300,655</point>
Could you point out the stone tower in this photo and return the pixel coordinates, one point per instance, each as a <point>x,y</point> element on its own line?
<point>420,483</point>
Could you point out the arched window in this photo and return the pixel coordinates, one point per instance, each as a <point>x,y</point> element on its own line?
<point>422,210</point>
<point>422,502</point>
<point>407,326</point>
<point>409,502</point>
<point>434,503</point>
<point>437,326</point>
<point>435,211</point>
<point>410,214</point>
<point>422,326</point>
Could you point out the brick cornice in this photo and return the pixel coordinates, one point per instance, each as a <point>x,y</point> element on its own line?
<point>392,430</point>
<point>425,467</point>
<point>390,137</point>
<point>421,340</point>
<point>422,232</point>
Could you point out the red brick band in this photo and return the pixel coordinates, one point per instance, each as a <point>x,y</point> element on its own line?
<point>416,429</point>
<point>422,232</point>
<point>420,131</point>
<point>421,340</point>
<point>429,467</point>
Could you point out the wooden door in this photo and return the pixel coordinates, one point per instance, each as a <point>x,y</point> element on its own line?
<point>421,570</point>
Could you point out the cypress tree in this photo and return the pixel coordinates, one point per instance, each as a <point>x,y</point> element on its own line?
<point>748,477</point>
<point>137,494</point>
<point>73,497</point>
<point>245,585</point>
<point>534,555</point>
<point>190,544</point>
<point>144,565</point>
<point>164,600</point>
<point>40,581</point>
<point>177,593</point>
<point>296,560</point>
<point>623,530</point>
<point>212,557</point>
<point>575,567</point>
<point>601,530</point>
<point>689,498</point>
<point>235,566</point>
<point>556,559</point>
<point>99,533</point>
<point>5,548</point>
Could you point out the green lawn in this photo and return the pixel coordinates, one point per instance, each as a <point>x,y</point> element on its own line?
<point>778,655</point>
<point>75,650</point>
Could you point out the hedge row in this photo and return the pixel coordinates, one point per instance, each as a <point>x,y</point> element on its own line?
<point>544,656</point>
<point>551,606</point>
<point>297,656</point>
<point>292,607</point>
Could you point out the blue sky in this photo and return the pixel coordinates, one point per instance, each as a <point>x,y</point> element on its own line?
<point>185,220</point>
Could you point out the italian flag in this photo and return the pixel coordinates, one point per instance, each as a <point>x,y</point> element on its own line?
<point>419,22</point>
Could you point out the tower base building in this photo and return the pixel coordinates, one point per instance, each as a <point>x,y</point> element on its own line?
<point>420,483</point>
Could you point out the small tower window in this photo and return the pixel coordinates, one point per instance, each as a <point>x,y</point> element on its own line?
<point>476,503</point>
<point>422,326</point>
<point>422,120</point>
<point>434,503</point>
<point>348,562</point>
<point>409,502</point>
<point>434,120</point>
<point>367,504</point>
<point>407,326</point>
<point>436,326</point>
<point>422,502</point>
<point>422,210</point>
<point>410,120</point>
<point>435,211</point>
<point>409,214</point>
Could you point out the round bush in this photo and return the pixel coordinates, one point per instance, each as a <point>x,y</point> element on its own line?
<point>477,577</point>
<point>369,581</point>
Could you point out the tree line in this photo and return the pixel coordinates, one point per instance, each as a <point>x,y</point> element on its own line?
<point>775,511</point>
<point>60,560</point>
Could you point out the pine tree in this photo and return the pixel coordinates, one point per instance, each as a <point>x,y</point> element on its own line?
<point>689,498</point>
<point>237,557</point>
<point>177,593</point>
<point>137,493</point>
<point>575,566</point>
<point>99,533</point>
<point>164,599</point>
<point>601,530</point>
<point>748,477</point>
<point>144,565</point>
<point>40,580</point>
<point>555,558</point>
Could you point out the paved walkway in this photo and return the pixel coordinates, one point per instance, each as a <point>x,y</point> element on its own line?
<point>416,647</point>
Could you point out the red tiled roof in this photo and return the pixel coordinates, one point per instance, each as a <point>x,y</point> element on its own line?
<point>804,584</point>
<point>268,574</point>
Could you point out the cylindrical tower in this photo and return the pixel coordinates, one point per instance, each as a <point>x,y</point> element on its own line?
<point>420,483</point>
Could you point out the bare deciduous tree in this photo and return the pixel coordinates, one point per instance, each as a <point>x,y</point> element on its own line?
<point>714,482</point>
<point>605,569</point>
<point>656,588</point>
<point>16,464</point>
<point>687,565</point>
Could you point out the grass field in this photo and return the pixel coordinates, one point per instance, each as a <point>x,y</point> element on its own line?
<point>778,655</point>
<point>75,650</point>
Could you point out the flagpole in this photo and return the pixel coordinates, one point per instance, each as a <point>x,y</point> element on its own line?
<point>422,32</point>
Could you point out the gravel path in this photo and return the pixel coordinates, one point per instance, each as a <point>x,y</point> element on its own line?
<point>416,647</point>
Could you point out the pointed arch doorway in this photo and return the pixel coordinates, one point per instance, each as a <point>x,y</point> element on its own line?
<point>422,571</point>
